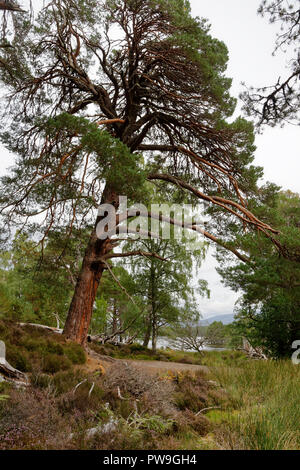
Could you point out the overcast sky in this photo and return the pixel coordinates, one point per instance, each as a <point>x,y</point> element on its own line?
<point>250,41</point>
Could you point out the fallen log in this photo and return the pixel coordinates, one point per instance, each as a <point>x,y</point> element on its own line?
<point>253,352</point>
<point>45,327</point>
<point>9,373</point>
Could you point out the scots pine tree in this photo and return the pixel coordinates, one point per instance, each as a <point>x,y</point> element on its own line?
<point>103,96</point>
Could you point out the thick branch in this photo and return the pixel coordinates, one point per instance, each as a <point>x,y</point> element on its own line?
<point>134,253</point>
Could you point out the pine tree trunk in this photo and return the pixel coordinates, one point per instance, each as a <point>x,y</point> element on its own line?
<point>115,318</point>
<point>81,308</point>
<point>154,333</point>
<point>148,332</point>
<point>153,292</point>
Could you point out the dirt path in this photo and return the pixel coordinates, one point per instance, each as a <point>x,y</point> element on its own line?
<point>155,367</point>
<point>96,362</point>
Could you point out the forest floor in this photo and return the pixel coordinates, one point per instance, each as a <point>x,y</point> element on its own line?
<point>130,398</point>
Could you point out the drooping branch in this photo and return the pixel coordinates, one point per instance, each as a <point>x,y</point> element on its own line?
<point>276,103</point>
<point>186,225</point>
<point>134,253</point>
<point>117,281</point>
<point>247,216</point>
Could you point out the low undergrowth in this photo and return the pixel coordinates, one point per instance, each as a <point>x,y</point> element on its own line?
<point>31,349</point>
<point>122,410</point>
<point>65,407</point>
<point>241,404</point>
<point>139,352</point>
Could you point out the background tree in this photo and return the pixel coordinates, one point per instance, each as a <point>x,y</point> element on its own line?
<point>7,9</point>
<point>189,336</point>
<point>166,287</point>
<point>154,77</point>
<point>118,310</point>
<point>280,102</point>
<point>38,286</point>
<point>268,313</point>
<point>217,334</point>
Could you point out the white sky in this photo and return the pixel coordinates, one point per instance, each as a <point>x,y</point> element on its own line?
<point>250,40</point>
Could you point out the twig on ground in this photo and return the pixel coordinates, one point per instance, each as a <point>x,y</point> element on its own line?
<point>206,409</point>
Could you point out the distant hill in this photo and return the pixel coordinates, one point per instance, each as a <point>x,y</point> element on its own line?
<point>225,319</point>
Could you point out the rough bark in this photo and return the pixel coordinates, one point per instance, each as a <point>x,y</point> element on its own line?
<point>154,334</point>
<point>81,308</point>
<point>148,332</point>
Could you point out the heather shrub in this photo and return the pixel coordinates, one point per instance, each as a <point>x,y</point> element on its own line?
<point>18,359</point>
<point>34,349</point>
<point>65,381</point>
<point>75,353</point>
<point>138,348</point>
<point>81,400</point>
<point>192,393</point>
<point>186,420</point>
<point>40,380</point>
<point>30,420</point>
<point>53,363</point>
<point>155,394</point>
